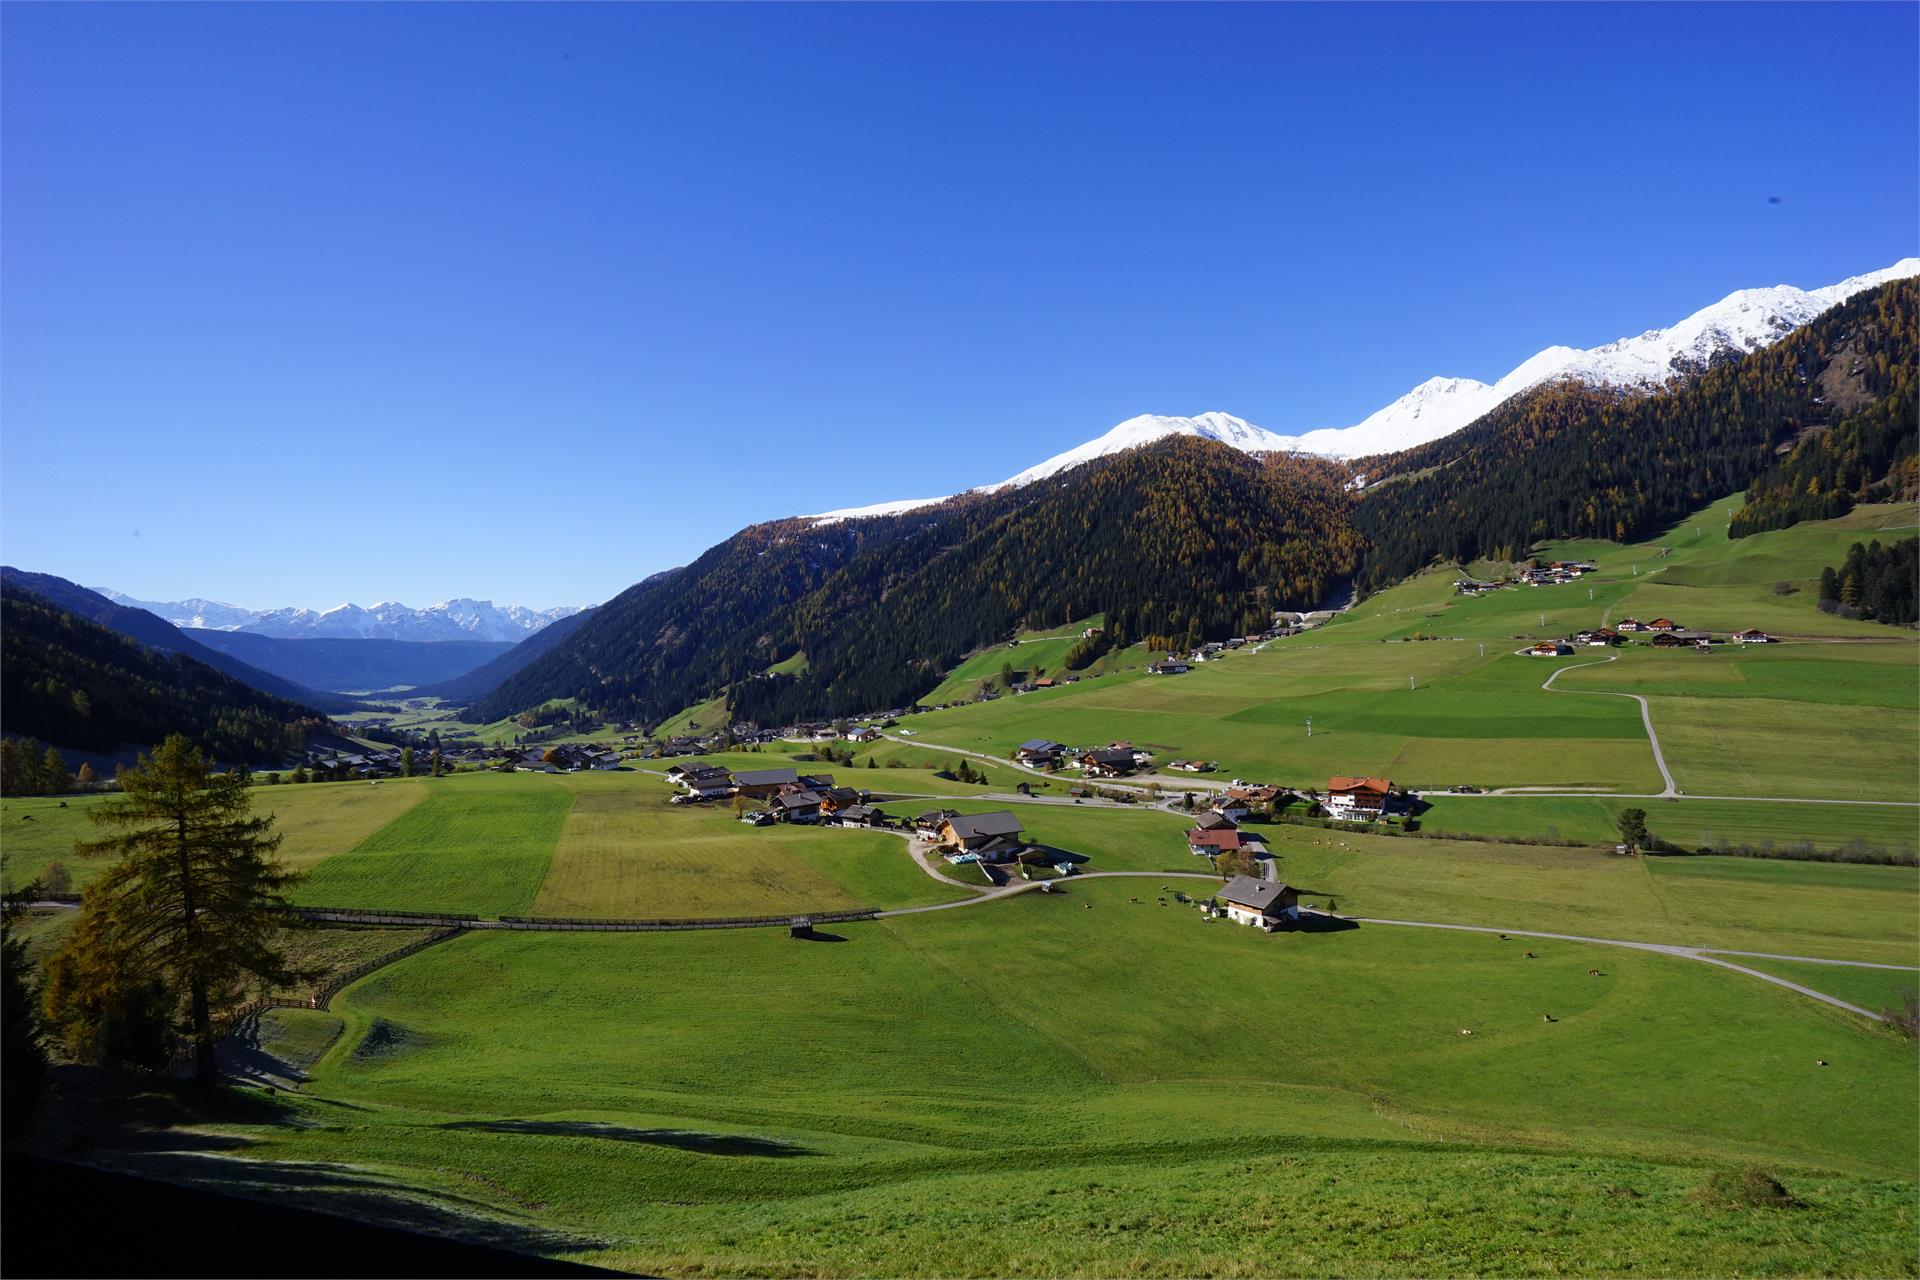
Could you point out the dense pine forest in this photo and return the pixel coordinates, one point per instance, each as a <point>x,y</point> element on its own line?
<point>77,684</point>
<point>1572,461</point>
<point>1876,582</point>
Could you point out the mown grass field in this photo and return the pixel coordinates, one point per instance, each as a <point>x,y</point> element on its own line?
<point>1074,1083</point>
<point>625,852</point>
<point>1474,712</point>
<point>478,843</point>
<point>1693,824</point>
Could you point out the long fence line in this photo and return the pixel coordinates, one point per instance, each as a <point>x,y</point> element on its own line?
<point>559,924</point>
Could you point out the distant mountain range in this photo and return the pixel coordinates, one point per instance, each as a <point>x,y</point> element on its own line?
<point>457,619</point>
<point>1737,324</point>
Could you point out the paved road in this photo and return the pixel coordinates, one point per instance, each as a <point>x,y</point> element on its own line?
<point>1706,955</point>
<point>1646,716</point>
<point>1137,783</point>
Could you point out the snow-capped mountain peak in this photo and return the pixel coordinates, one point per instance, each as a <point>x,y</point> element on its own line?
<point>456,619</point>
<point>1147,428</point>
<point>1742,321</point>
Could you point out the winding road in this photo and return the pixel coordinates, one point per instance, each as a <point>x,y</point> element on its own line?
<point>1646,718</point>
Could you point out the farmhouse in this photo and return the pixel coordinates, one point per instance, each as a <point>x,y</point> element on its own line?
<point>1753,635</point>
<point>1266,903</point>
<point>1679,639</point>
<point>973,832</point>
<point>1110,762</point>
<point>1632,624</point>
<point>797,806</point>
<point>709,783</point>
<point>1663,624</point>
<point>861,815</point>
<point>1600,637</point>
<point>927,825</point>
<point>765,782</point>
<point>1211,841</point>
<point>1038,752</point>
<point>1213,820</point>
<point>1550,649</point>
<point>865,733</point>
<point>1244,799</point>
<point>1191,766</point>
<point>1171,667</point>
<point>1362,799</point>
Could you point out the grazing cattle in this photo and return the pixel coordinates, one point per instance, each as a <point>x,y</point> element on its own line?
<point>1532,956</point>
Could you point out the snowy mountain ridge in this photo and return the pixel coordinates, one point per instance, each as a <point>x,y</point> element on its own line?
<point>1740,322</point>
<point>456,619</point>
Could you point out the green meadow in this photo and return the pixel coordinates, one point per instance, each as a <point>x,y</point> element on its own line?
<point>1692,824</point>
<point>1426,687</point>
<point>1077,1083</point>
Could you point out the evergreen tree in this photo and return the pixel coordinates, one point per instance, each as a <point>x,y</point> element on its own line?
<point>54,778</point>
<point>23,1058</point>
<point>189,917</point>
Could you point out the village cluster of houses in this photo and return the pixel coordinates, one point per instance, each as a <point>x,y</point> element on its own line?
<point>1115,760</point>
<point>1666,633</point>
<point>1543,575</point>
<point>569,757</point>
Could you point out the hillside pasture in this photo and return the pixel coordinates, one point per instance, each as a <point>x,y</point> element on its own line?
<point>1059,1084</point>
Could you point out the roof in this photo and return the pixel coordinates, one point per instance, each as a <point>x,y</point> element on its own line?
<point>1039,744</point>
<point>797,800</point>
<point>766,777</point>
<point>1343,783</point>
<point>934,817</point>
<point>972,826</point>
<point>1214,820</point>
<point>1112,757</point>
<point>1260,895</point>
<point>1216,838</point>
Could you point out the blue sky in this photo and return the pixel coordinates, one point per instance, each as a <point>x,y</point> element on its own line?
<point>307,304</point>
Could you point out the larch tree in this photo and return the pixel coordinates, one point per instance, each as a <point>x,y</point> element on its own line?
<point>195,904</point>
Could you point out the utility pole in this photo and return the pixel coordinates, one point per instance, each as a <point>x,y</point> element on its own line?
<point>1309,726</point>
<point>1483,648</point>
<point>1409,682</point>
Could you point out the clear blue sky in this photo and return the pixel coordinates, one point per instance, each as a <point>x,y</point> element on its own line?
<point>308,304</point>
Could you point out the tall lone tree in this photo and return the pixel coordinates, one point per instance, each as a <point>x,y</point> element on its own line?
<point>195,902</point>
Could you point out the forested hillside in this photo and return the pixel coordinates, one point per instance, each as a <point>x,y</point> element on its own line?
<point>74,683</point>
<point>157,633</point>
<point>1569,461</point>
<point>1186,539</point>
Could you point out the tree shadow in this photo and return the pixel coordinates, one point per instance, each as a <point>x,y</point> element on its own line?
<point>710,1144</point>
<point>351,1193</point>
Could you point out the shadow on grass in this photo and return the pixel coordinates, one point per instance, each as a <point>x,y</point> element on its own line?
<point>818,935</point>
<point>1311,922</point>
<point>709,1144</point>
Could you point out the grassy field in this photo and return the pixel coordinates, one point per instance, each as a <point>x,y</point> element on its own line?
<point>1424,686</point>
<point>478,842</point>
<point>1693,824</point>
<point>1078,1084</point>
<point>627,853</point>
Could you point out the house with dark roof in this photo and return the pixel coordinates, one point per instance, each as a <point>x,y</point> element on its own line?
<point>927,825</point>
<point>973,831</point>
<point>764,782</point>
<point>797,806</point>
<point>1213,820</point>
<point>1109,762</point>
<point>1753,635</point>
<point>1037,751</point>
<point>1265,903</point>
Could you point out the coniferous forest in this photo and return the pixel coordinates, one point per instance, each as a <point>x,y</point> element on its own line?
<point>1572,461</point>
<point>75,683</point>
<point>1880,583</point>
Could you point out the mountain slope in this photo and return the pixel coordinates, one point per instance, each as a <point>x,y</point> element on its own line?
<point>1741,322</point>
<point>450,620</point>
<point>74,683</point>
<point>159,634</point>
<point>1572,460</point>
<point>488,676</point>
<point>1187,538</point>
<point>348,665</point>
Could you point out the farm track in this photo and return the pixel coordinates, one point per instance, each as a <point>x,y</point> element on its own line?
<point>1646,717</point>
